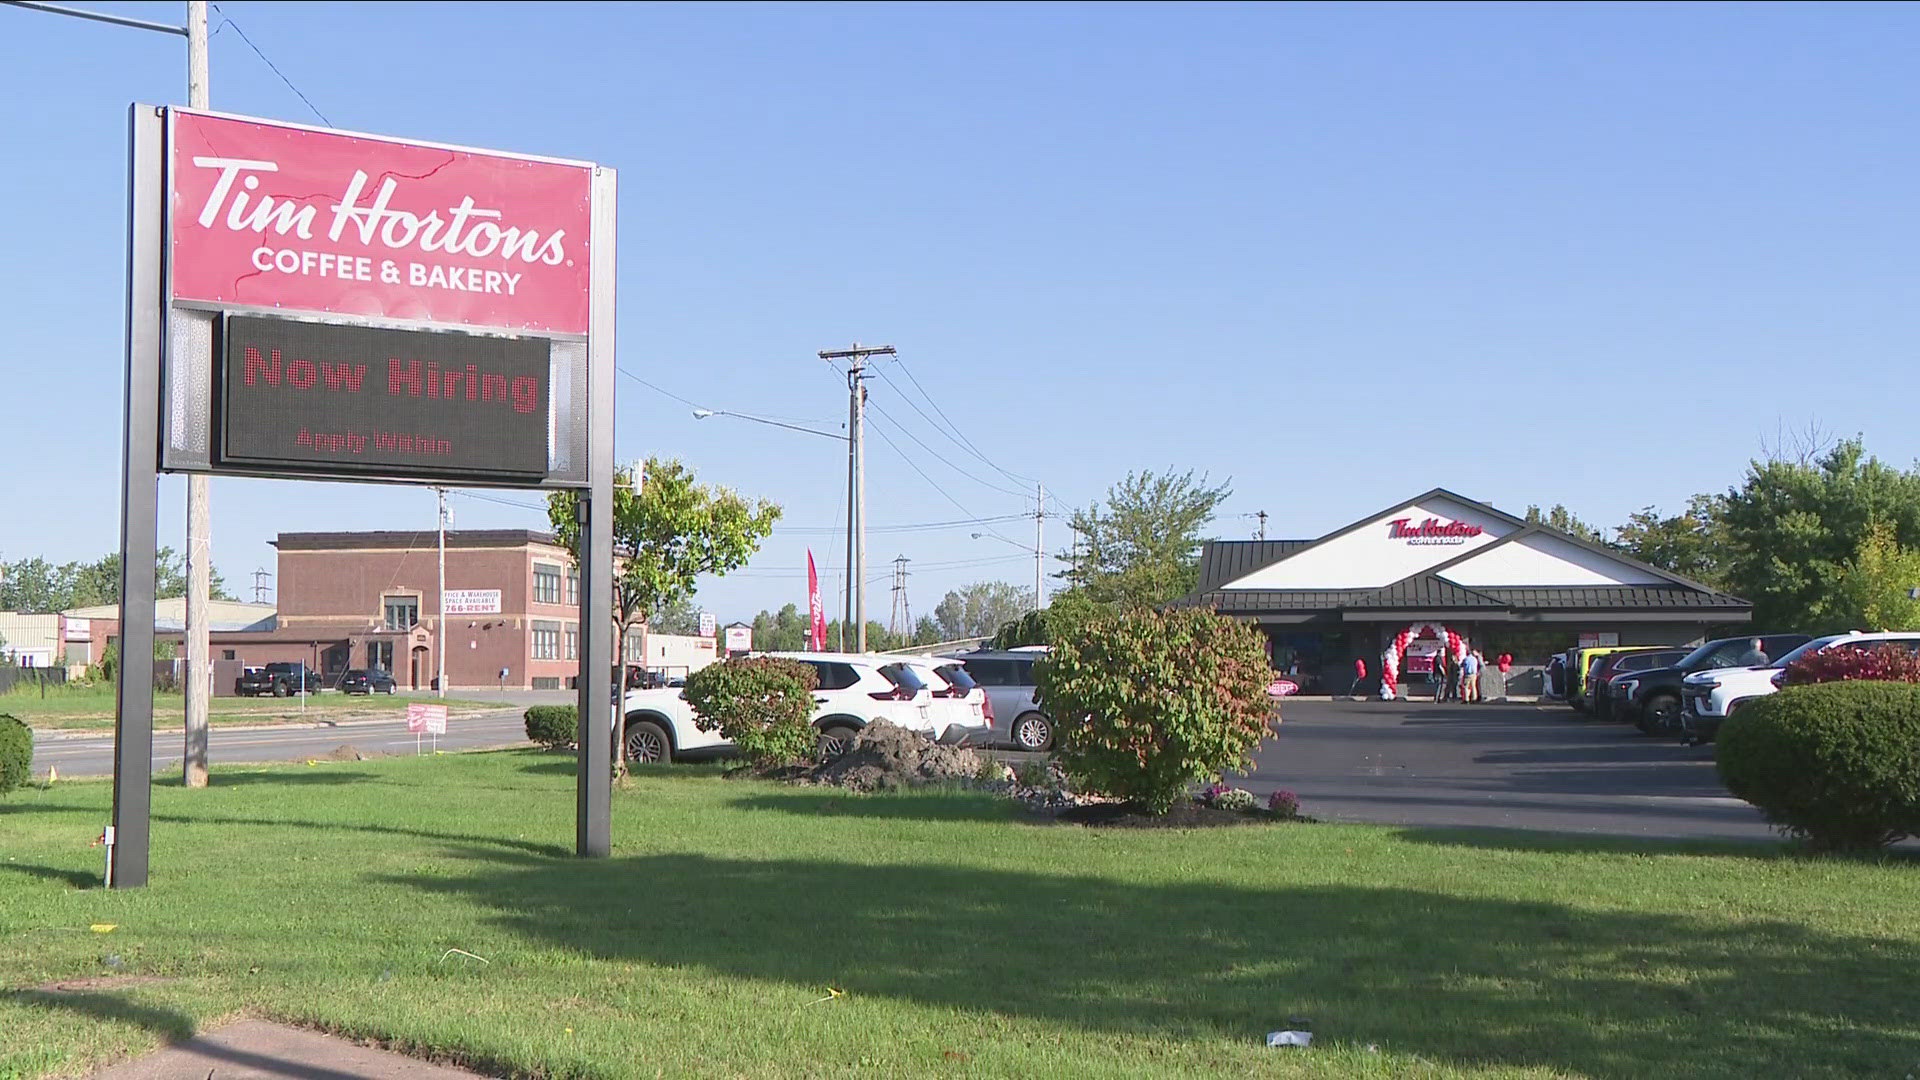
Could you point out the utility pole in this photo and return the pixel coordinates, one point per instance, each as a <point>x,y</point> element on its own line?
<point>1039,544</point>
<point>193,766</point>
<point>440,628</point>
<point>856,358</point>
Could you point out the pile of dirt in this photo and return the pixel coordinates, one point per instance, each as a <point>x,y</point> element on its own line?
<point>349,752</point>
<point>885,756</point>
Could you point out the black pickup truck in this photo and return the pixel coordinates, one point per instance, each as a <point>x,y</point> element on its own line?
<point>1650,700</point>
<point>280,680</point>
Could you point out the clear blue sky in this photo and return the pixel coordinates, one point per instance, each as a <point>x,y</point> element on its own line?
<point>1340,255</point>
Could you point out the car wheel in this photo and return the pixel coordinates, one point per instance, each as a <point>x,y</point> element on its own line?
<point>280,689</point>
<point>834,741</point>
<point>647,743</point>
<point>1033,732</point>
<point>1662,714</point>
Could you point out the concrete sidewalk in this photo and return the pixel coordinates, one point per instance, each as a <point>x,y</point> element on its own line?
<point>258,1050</point>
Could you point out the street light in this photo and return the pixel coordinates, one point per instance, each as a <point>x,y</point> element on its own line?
<point>702,414</point>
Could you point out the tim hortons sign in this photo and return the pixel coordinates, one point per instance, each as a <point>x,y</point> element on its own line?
<point>1432,531</point>
<point>267,215</point>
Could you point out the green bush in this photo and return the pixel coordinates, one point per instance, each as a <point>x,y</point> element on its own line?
<point>1837,764</point>
<point>1145,704</point>
<point>763,705</point>
<point>16,753</point>
<point>553,726</point>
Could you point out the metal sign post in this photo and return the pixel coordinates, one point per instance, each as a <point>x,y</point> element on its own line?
<point>306,303</point>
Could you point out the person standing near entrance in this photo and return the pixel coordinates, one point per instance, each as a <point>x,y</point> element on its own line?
<point>1470,676</point>
<point>1446,670</point>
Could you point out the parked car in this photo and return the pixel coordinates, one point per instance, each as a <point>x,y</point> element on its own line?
<point>1600,687</point>
<point>961,712</point>
<point>1650,700</point>
<point>1581,664</point>
<point>1008,678</point>
<point>1709,697</point>
<point>279,680</point>
<point>854,690</point>
<point>366,681</point>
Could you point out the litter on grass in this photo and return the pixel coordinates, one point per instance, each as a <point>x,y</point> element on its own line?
<point>1290,1038</point>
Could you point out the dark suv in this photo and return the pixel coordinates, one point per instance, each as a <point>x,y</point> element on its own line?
<point>1007,677</point>
<point>1599,686</point>
<point>366,681</point>
<point>280,680</point>
<point>1650,700</point>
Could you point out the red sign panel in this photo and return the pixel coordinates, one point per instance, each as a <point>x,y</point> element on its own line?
<point>284,217</point>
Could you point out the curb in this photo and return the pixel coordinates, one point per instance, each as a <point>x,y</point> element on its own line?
<point>60,734</point>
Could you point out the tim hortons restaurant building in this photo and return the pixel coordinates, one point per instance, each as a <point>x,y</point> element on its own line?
<point>1442,571</point>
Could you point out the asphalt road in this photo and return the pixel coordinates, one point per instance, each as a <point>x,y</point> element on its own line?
<point>1400,763</point>
<point>1504,766</point>
<point>92,755</point>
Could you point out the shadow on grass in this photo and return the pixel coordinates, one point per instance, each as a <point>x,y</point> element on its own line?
<point>925,805</point>
<point>1471,980</point>
<point>314,777</point>
<point>166,1023</point>
<point>79,879</point>
<point>471,841</point>
<point>1533,842</point>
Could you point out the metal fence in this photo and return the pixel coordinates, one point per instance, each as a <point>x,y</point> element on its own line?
<point>11,677</point>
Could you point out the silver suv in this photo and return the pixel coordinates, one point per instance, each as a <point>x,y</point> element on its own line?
<point>1007,677</point>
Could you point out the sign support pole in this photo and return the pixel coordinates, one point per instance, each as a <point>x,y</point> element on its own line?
<point>199,681</point>
<point>593,775</point>
<point>139,505</point>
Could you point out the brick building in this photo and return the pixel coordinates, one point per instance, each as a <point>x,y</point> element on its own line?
<point>371,599</point>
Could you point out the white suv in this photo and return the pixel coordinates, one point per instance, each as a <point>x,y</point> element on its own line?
<point>961,712</point>
<point>1709,697</point>
<point>853,691</point>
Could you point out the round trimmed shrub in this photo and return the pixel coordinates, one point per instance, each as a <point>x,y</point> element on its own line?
<point>763,705</point>
<point>16,753</point>
<point>1145,704</point>
<point>1836,764</point>
<point>554,727</point>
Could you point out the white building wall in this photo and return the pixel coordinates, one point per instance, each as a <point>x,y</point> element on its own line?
<point>1369,556</point>
<point>1546,561</point>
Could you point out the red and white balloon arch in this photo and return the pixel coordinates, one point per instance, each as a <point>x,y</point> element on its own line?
<point>1390,660</point>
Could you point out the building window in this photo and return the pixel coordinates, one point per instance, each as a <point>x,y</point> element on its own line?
<point>573,642</point>
<point>546,641</point>
<point>546,584</point>
<point>573,586</point>
<point>380,655</point>
<point>228,654</point>
<point>549,683</point>
<point>636,647</point>
<point>402,612</point>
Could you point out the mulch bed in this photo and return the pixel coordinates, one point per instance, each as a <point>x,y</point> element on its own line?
<point>1182,816</point>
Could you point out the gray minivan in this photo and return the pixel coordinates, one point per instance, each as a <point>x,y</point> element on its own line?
<point>1007,677</point>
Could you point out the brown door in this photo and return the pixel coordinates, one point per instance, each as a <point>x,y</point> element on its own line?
<point>417,668</point>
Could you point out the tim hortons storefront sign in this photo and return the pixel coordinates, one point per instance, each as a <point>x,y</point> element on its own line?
<point>272,216</point>
<point>1432,531</point>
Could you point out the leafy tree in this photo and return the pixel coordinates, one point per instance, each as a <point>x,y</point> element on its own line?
<point>1142,547</point>
<point>1795,527</point>
<point>680,617</point>
<point>1875,588</point>
<point>879,638</point>
<point>37,585</point>
<point>980,609</point>
<point>1692,543</point>
<point>1044,627</point>
<point>927,632</point>
<point>782,631</point>
<point>1562,518</point>
<point>667,531</point>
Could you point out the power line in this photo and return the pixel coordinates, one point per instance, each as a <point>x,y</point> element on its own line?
<point>915,466</point>
<point>938,455</point>
<point>963,440</point>
<point>657,388</point>
<point>226,20</point>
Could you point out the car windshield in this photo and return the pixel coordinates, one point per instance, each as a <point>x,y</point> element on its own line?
<point>1714,654</point>
<point>1810,647</point>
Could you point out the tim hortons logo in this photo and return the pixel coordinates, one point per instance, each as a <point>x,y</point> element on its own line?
<point>1432,531</point>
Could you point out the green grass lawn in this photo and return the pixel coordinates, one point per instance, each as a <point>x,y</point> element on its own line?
<point>80,707</point>
<point>968,940</point>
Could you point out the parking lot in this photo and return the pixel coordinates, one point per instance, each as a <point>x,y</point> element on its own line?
<point>1505,766</point>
